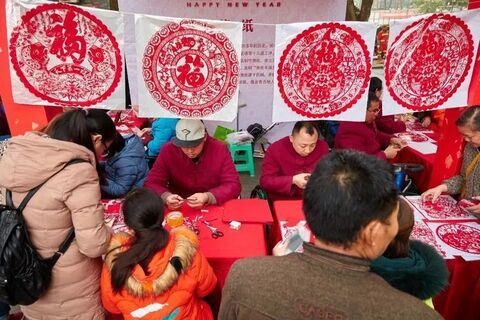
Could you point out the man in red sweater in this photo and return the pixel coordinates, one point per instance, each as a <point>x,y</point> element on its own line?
<point>365,137</point>
<point>289,162</point>
<point>195,168</point>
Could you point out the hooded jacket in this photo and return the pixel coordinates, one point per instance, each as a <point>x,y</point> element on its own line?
<point>163,130</point>
<point>163,293</point>
<point>422,274</point>
<point>69,199</point>
<point>126,169</point>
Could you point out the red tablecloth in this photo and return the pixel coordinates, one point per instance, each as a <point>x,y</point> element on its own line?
<point>461,299</point>
<point>248,241</point>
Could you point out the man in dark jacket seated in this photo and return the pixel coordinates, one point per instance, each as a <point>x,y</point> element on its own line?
<point>289,162</point>
<point>195,168</point>
<point>365,137</point>
<point>351,207</point>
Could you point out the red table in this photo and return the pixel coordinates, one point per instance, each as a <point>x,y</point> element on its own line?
<point>221,253</point>
<point>461,299</point>
<point>285,210</point>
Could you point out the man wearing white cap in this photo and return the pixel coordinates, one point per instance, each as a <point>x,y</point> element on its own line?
<point>195,168</point>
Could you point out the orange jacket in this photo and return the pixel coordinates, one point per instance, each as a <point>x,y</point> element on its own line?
<point>163,293</point>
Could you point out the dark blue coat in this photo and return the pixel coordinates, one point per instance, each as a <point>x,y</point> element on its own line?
<point>126,169</point>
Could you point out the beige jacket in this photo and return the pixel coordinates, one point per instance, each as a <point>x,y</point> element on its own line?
<point>71,198</point>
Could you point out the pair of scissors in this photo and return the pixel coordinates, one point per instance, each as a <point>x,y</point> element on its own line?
<point>193,224</point>
<point>215,232</point>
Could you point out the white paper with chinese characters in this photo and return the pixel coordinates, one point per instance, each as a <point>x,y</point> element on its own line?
<point>430,62</point>
<point>325,70</point>
<point>187,74</point>
<point>114,99</point>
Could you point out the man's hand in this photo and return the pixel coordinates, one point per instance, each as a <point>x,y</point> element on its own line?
<point>433,193</point>
<point>301,179</point>
<point>174,201</point>
<point>391,151</point>
<point>399,143</point>
<point>197,200</point>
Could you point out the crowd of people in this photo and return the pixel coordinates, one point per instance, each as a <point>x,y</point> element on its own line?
<point>362,230</point>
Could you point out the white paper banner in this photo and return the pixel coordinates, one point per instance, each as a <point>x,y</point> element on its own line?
<point>63,55</point>
<point>322,70</point>
<point>187,68</point>
<point>430,62</point>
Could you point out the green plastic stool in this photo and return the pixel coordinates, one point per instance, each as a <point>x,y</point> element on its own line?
<point>242,156</point>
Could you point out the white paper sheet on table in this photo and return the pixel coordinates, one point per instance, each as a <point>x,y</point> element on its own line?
<point>423,233</point>
<point>458,239</point>
<point>453,214</point>
<point>426,147</point>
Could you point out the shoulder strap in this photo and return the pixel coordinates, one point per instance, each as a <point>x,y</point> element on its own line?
<point>71,234</point>
<point>32,192</point>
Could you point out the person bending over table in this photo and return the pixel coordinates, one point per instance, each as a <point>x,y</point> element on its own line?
<point>289,162</point>
<point>467,183</point>
<point>351,205</point>
<point>365,137</point>
<point>387,124</point>
<point>195,168</point>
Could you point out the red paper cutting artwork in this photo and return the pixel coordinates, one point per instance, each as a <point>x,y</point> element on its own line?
<point>428,61</point>
<point>65,55</point>
<point>459,236</point>
<point>190,68</point>
<point>444,208</point>
<point>422,232</point>
<point>412,136</point>
<point>324,70</point>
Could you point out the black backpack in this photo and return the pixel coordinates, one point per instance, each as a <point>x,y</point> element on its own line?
<point>24,275</point>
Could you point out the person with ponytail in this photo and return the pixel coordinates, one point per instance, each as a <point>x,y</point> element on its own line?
<point>70,198</point>
<point>152,274</point>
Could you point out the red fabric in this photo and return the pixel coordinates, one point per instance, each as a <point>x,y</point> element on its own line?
<point>362,137</point>
<point>388,124</point>
<point>291,211</point>
<point>448,160</point>
<point>461,299</point>
<point>215,172</point>
<point>248,210</point>
<point>281,163</point>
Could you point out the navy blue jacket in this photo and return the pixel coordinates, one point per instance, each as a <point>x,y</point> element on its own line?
<point>126,169</point>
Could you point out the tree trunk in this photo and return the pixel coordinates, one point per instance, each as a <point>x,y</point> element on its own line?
<point>355,14</point>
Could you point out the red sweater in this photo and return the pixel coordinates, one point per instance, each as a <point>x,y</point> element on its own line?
<point>214,172</point>
<point>388,124</point>
<point>362,137</point>
<point>281,163</point>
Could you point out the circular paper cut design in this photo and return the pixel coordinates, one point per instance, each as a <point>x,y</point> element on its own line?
<point>324,70</point>
<point>190,68</point>
<point>65,55</point>
<point>461,237</point>
<point>428,61</point>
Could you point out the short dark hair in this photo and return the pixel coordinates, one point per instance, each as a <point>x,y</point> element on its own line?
<point>348,190</point>
<point>375,84</point>
<point>309,126</point>
<point>470,117</point>
<point>372,98</point>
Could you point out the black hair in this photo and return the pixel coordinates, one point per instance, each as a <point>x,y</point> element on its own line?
<point>375,84</point>
<point>347,191</point>
<point>470,117</point>
<point>309,126</point>
<point>79,124</point>
<point>372,98</point>
<point>117,145</point>
<point>143,210</point>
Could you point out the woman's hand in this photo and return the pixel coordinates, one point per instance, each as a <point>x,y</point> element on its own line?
<point>433,193</point>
